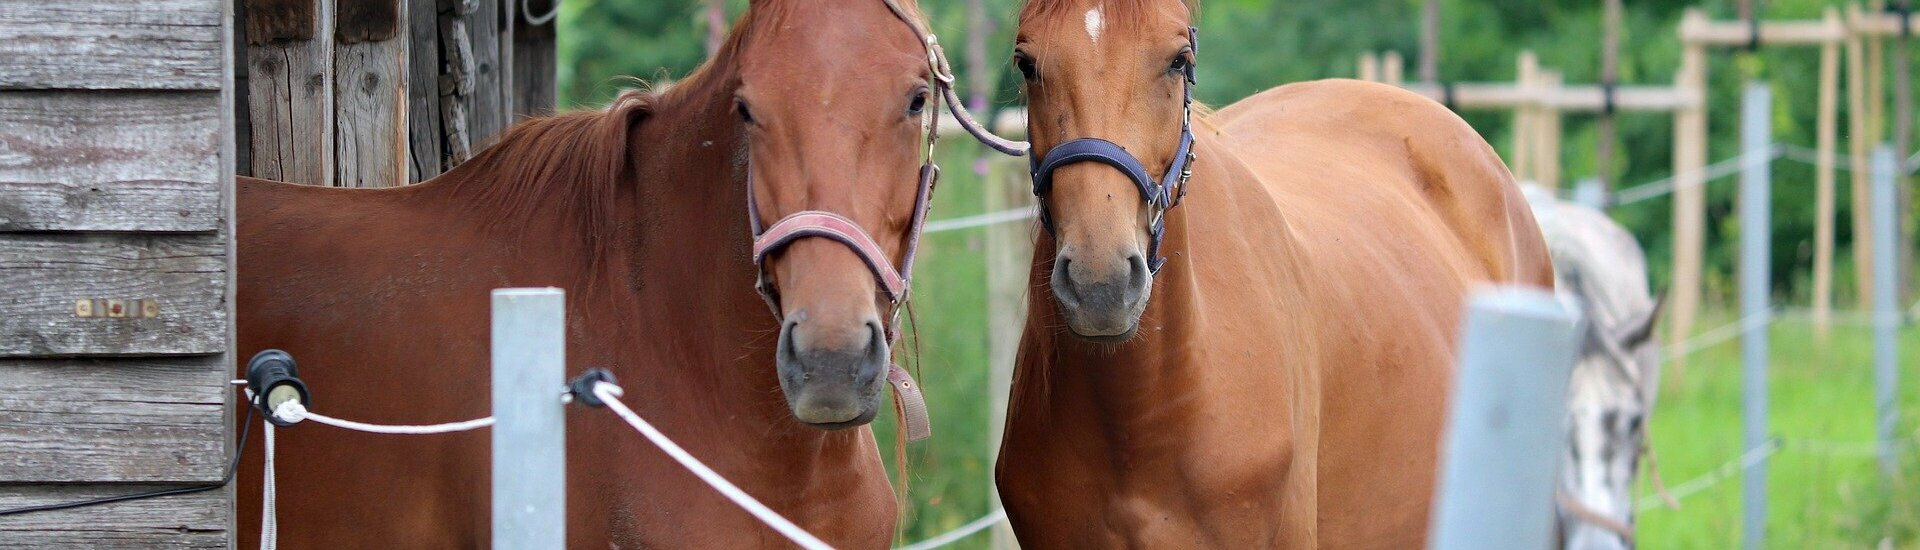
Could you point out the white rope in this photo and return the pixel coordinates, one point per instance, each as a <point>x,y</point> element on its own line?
<point>269,517</point>
<point>982,220</point>
<point>1721,334</point>
<point>610,394</point>
<point>293,411</point>
<point>1711,478</point>
<point>950,537</point>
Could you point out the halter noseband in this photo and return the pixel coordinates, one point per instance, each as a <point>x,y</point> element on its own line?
<point>1160,195</point>
<point>828,225</point>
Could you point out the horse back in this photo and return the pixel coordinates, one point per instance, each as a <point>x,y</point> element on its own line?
<point>1434,156</point>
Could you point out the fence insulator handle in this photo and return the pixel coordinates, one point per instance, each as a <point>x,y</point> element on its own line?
<point>274,379</point>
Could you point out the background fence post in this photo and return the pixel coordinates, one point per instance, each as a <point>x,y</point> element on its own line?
<point>1504,433</point>
<point>1009,250</point>
<point>529,431</point>
<point>1755,239</point>
<point>1886,304</point>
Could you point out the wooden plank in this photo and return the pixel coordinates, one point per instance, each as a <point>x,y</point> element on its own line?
<point>110,161</point>
<point>59,293</point>
<point>1882,24</point>
<point>370,96</point>
<point>456,81</point>
<point>487,107</point>
<point>426,150</point>
<point>535,61</point>
<point>290,99</point>
<point>112,44</point>
<point>1739,33</point>
<point>1689,194</point>
<point>123,420</point>
<point>1858,143</point>
<point>198,520</point>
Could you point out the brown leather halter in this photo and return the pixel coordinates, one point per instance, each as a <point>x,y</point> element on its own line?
<point>894,282</point>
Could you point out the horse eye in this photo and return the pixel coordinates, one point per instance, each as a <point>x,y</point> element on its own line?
<point>1179,64</point>
<point>740,106</point>
<point>1025,64</point>
<point>918,105</point>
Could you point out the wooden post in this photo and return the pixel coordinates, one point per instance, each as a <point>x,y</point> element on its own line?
<point>535,59</point>
<point>1689,196</point>
<point>1392,68</point>
<point>1547,116</point>
<point>1524,127</point>
<point>370,94</point>
<point>426,146</point>
<point>1009,251</point>
<point>1610,77</point>
<point>1903,143</point>
<point>1430,41</point>
<point>488,106</point>
<point>1369,66</point>
<point>290,89</point>
<point>1827,130</point>
<point>1859,142</point>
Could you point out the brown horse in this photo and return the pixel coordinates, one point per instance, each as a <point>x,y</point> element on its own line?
<point>1286,383</point>
<point>639,211</point>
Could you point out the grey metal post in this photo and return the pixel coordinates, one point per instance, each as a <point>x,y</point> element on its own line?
<point>529,431</point>
<point>1756,240</point>
<point>1886,302</point>
<point>1504,433</point>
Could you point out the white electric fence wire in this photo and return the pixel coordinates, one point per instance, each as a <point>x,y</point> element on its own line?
<point>1720,335</point>
<point>293,411</point>
<point>950,537</point>
<point>610,394</point>
<point>1712,477</point>
<point>982,220</point>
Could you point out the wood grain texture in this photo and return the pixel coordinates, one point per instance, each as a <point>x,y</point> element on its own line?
<point>43,276</point>
<point>424,134</point>
<point>367,20</point>
<point>110,161</point>
<point>370,100</point>
<point>535,64</point>
<point>123,420</point>
<point>456,81</point>
<point>487,107</point>
<point>197,520</point>
<point>290,104</point>
<point>282,21</point>
<point>111,44</point>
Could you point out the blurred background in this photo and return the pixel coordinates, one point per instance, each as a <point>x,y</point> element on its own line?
<point>1826,489</point>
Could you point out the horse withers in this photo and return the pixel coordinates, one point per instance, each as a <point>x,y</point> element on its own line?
<point>1599,266</point>
<point>660,216</point>
<point>1244,322</point>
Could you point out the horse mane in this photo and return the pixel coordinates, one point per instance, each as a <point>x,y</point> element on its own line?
<point>569,166</point>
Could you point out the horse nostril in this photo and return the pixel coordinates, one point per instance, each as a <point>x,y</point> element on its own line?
<point>1137,273</point>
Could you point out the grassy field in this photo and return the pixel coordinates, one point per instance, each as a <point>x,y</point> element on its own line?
<point>1823,496</point>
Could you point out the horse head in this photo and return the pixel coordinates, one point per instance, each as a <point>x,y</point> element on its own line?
<point>1109,95</point>
<point>837,103</point>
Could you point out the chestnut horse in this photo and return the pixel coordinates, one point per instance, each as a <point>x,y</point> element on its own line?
<point>1285,385</point>
<point>639,212</point>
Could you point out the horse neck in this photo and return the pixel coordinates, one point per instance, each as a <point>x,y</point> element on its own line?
<point>1156,380</point>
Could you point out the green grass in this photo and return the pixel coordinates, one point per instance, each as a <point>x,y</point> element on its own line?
<point>1817,500</point>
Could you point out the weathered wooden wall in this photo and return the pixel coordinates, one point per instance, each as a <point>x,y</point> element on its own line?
<point>381,93</point>
<point>116,150</point>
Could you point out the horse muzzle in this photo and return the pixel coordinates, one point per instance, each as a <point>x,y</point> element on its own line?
<point>1102,303</point>
<point>832,375</point>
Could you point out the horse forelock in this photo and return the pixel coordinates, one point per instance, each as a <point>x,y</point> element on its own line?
<point>1112,12</point>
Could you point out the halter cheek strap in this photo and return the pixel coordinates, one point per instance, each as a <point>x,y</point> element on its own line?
<point>1160,194</point>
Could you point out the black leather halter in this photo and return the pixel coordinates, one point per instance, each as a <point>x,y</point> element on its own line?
<point>1160,194</point>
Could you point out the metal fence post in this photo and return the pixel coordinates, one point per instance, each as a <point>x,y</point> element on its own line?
<point>529,431</point>
<point>1886,303</point>
<point>1504,433</point>
<point>1756,240</point>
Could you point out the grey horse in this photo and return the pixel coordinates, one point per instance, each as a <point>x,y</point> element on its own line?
<point>1598,266</point>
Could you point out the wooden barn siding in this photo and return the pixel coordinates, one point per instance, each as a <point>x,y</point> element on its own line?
<point>115,164</point>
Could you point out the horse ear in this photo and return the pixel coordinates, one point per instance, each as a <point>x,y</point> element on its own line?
<point>1638,329</point>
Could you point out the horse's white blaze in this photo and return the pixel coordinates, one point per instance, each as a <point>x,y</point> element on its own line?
<point>1094,24</point>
